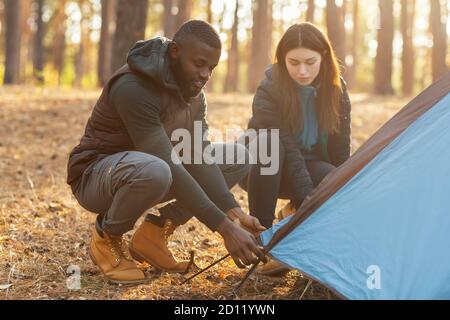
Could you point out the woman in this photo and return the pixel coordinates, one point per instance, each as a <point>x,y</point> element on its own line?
<point>304,96</point>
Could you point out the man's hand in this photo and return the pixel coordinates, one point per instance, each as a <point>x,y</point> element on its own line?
<point>249,223</point>
<point>241,244</point>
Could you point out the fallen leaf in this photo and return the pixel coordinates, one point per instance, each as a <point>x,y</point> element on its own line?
<point>5,286</point>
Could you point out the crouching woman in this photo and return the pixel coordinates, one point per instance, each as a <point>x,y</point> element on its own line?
<point>305,97</point>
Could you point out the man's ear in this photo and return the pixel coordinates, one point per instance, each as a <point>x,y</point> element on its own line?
<point>174,50</point>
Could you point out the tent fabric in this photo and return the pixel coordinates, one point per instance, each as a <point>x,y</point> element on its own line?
<point>378,226</point>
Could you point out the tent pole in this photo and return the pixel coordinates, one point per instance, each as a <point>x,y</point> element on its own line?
<point>203,270</point>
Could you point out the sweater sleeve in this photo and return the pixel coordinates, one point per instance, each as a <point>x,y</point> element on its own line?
<point>141,118</point>
<point>340,142</point>
<point>209,176</point>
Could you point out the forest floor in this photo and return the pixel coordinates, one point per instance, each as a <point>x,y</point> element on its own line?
<point>43,230</point>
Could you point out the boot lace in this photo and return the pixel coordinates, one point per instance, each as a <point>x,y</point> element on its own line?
<point>168,229</point>
<point>119,248</point>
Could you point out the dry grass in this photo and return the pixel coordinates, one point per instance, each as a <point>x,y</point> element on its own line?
<point>43,230</point>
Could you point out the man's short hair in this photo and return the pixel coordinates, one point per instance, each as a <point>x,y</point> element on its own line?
<point>199,30</point>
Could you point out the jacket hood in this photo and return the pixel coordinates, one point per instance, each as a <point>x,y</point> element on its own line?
<point>150,59</point>
<point>269,71</point>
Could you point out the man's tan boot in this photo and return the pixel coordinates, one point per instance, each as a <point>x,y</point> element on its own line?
<point>149,244</point>
<point>111,255</point>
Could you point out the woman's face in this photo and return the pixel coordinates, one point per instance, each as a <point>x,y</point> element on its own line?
<point>303,65</point>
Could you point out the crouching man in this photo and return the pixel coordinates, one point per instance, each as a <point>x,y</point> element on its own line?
<point>124,163</point>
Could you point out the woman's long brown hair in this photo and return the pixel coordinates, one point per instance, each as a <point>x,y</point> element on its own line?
<point>329,91</point>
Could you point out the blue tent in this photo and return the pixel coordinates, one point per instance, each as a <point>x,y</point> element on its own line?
<point>378,227</point>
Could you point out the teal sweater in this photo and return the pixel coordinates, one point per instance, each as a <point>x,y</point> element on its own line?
<point>310,135</point>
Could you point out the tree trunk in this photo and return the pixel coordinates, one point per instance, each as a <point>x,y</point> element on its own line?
<point>351,78</point>
<point>26,46</point>
<point>84,38</point>
<point>232,78</point>
<point>184,12</point>
<point>383,60</point>
<point>59,38</point>
<point>261,42</point>
<point>220,22</point>
<point>425,66</point>
<point>2,28</point>
<point>38,59</point>
<point>209,19</point>
<point>439,32</point>
<point>130,27</point>
<point>209,15</point>
<point>407,25</point>
<point>106,33</point>
<point>171,22</point>
<point>336,29</point>
<point>279,26</point>
<point>13,40</point>
<point>168,19</point>
<point>310,12</point>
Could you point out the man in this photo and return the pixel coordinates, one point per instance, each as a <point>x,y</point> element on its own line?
<point>123,165</point>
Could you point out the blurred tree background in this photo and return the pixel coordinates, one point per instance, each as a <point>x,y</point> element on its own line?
<point>384,46</point>
<point>55,55</point>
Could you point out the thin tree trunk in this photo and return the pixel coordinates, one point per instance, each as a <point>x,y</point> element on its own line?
<point>106,33</point>
<point>407,25</point>
<point>171,23</point>
<point>91,48</point>
<point>351,79</point>
<point>2,29</point>
<point>310,12</point>
<point>209,15</point>
<point>220,21</point>
<point>279,27</point>
<point>254,47</point>
<point>232,78</point>
<point>38,61</point>
<point>425,66</point>
<point>13,41</point>
<point>261,42</point>
<point>184,12</point>
<point>80,56</point>
<point>439,32</point>
<point>336,29</point>
<point>383,60</point>
<point>168,19</point>
<point>26,49</point>
<point>130,27</point>
<point>59,38</point>
<point>220,28</point>
<point>209,19</point>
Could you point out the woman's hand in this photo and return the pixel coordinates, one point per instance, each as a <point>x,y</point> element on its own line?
<point>250,223</point>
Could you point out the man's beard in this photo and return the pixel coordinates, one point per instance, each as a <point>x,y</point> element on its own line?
<point>183,82</point>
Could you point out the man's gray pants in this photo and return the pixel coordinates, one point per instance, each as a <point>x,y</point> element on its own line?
<point>122,186</point>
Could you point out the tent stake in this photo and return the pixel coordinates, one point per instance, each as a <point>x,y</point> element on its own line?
<point>247,275</point>
<point>203,270</point>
